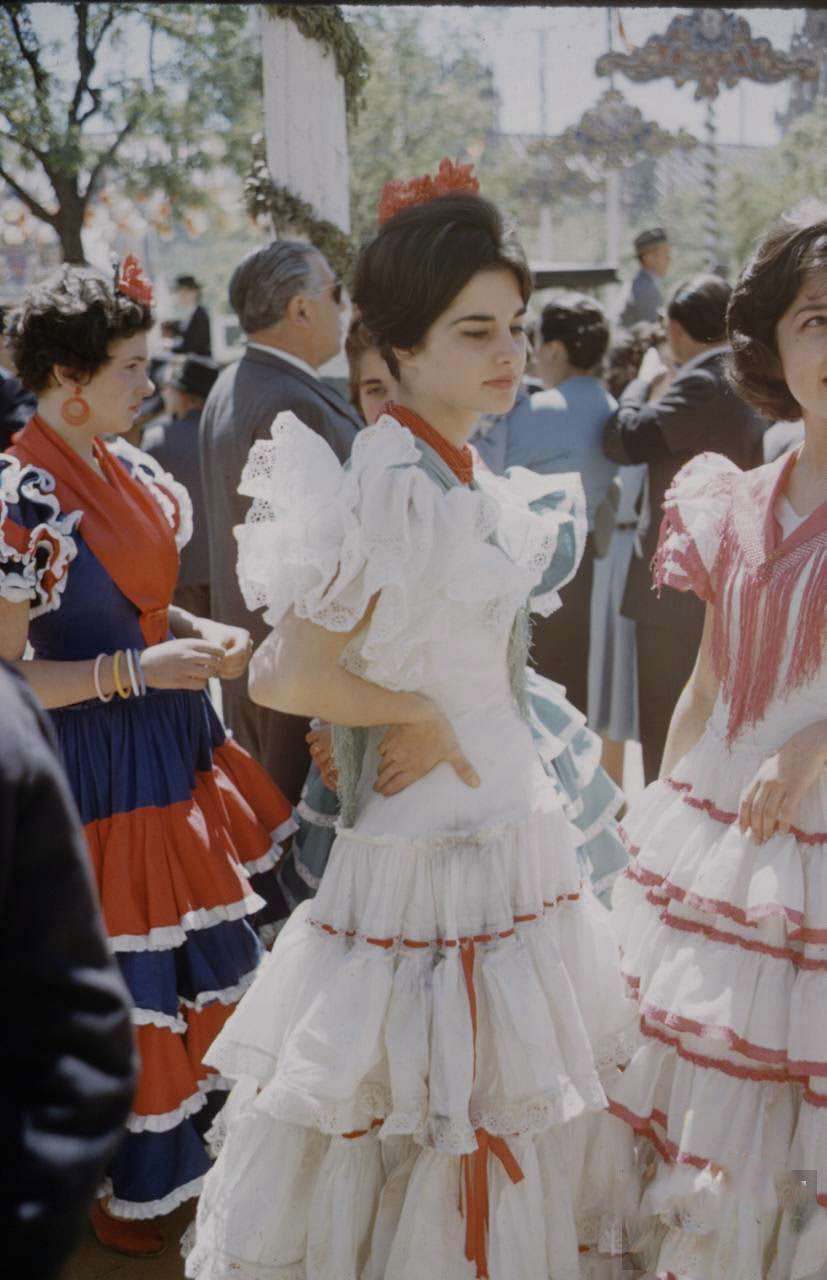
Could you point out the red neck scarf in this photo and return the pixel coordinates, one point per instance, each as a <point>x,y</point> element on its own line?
<point>122,523</point>
<point>460,460</point>
<point>772,568</point>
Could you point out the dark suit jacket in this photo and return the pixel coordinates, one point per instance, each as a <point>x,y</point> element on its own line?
<point>16,407</point>
<point>196,337</point>
<point>239,410</point>
<point>699,412</point>
<point>67,1067</point>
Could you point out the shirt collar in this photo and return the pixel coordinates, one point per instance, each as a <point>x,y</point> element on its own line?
<point>704,355</point>
<point>285,355</point>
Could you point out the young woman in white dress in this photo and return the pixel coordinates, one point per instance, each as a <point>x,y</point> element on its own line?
<point>723,910</point>
<point>423,1062</point>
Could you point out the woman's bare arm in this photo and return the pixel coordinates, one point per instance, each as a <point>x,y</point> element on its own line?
<point>297,669</point>
<point>695,704</point>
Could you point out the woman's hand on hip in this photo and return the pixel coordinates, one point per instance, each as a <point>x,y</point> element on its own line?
<point>320,742</point>
<point>409,751</point>
<point>181,664</point>
<point>769,801</point>
<point>235,642</point>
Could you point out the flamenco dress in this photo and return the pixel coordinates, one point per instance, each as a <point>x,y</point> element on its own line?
<point>725,939</point>
<point>422,1063</point>
<point>568,750</point>
<point>184,829</point>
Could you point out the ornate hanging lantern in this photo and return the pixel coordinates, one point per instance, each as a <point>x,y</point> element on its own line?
<point>708,48</point>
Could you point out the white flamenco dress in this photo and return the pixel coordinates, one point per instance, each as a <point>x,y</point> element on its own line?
<point>423,1059</point>
<point>725,939</point>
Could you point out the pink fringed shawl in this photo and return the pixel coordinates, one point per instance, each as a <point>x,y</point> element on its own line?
<point>756,571</point>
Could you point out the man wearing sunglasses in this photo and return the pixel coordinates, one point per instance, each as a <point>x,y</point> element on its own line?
<point>290,306</point>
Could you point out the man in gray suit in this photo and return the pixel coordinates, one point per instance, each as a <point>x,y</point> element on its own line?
<point>644,298</point>
<point>290,307</point>
<point>665,422</point>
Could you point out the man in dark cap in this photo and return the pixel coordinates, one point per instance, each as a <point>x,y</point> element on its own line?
<point>173,442</point>
<point>196,336</point>
<point>645,299</point>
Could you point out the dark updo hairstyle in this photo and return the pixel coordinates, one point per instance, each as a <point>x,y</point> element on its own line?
<point>627,351</point>
<point>699,305</point>
<point>422,257</point>
<point>768,285</point>
<point>580,324</point>
<point>70,319</point>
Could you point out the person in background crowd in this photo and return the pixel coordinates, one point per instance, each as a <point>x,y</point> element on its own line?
<point>16,403</point>
<point>612,662</point>
<point>561,430</point>
<point>195,337</point>
<point>371,385</point>
<point>370,382</point>
<point>644,298</point>
<point>290,307</point>
<point>184,829</point>
<point>66,1047</point>
<point>173,443</point>
<point>664,425</point>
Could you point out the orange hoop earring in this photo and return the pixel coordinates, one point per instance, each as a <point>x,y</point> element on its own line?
<point>75,410</point>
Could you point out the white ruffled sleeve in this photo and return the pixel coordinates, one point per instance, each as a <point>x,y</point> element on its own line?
<point>542,527</point>
<point>172,497</point>
<point>323,539</point>
<point>694,510</point>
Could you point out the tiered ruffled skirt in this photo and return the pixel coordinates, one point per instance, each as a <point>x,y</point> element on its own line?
<point>725,947</point>
<point>440,997</point>
<point>184,832</point>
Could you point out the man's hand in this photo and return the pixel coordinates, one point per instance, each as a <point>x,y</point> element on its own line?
<point>409,751</point>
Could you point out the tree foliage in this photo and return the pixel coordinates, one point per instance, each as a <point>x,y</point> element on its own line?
<point>419,106</point>
<point>791,172</point>
<point>155,94</point>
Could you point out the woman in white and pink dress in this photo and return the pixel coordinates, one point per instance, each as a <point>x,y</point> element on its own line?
<point>723,909</point>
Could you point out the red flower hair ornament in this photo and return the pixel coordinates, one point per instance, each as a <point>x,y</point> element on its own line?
<point>451,179</point>
<point>131,281</point>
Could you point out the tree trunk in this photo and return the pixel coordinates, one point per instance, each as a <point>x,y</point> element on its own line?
<point>68,227</point>
<point>69,220</point>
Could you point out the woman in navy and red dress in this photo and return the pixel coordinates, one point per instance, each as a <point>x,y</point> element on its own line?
<point>184,829</point>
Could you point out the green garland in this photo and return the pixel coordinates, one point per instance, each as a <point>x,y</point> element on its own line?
<point>325,23</point>
<point>262,196</point>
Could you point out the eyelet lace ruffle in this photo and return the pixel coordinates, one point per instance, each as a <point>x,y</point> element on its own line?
<point>325,540</point>
<point>169,493</point>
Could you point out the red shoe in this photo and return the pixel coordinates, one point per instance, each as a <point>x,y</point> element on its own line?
<point>135,1237</point>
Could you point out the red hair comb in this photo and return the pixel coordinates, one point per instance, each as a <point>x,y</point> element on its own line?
<point>132,282</point>
<point>451,179</point>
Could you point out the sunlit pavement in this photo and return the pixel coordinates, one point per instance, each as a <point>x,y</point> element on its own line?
<point>92,1262</point>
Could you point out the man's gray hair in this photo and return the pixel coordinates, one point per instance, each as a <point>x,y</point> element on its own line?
<point>263,283</point>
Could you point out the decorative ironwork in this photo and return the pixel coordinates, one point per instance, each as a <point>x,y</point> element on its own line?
<point>709,47</point>
<point>613,133</point>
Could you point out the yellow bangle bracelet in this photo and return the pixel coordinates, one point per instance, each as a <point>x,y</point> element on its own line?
<point>116,674</point>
